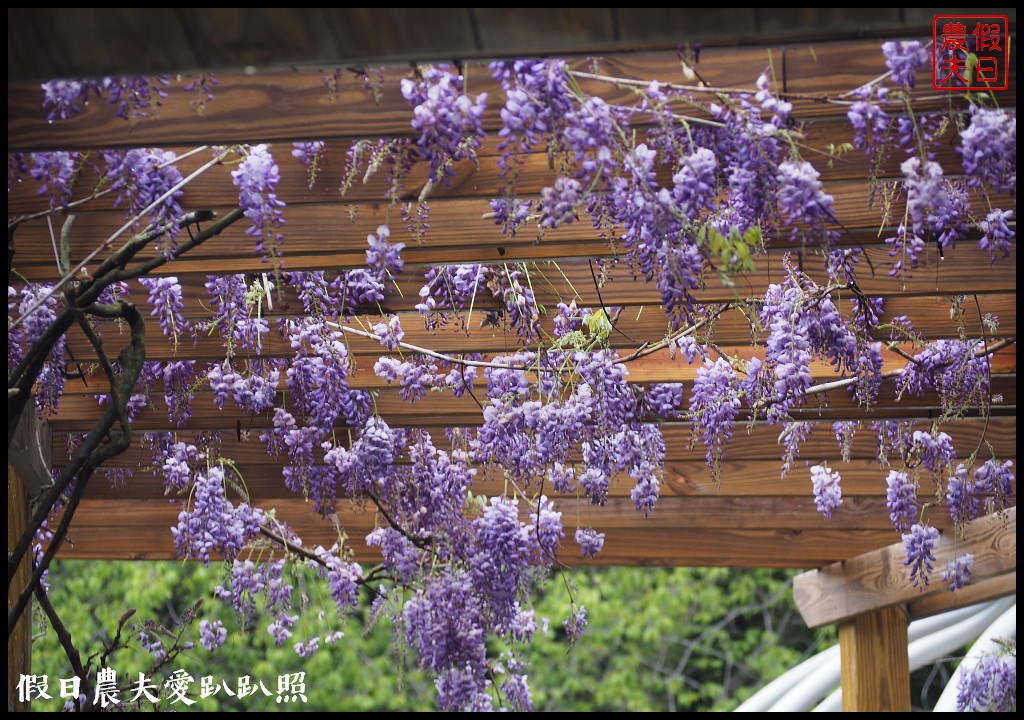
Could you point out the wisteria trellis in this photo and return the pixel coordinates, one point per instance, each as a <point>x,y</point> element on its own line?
<point>558,415</point>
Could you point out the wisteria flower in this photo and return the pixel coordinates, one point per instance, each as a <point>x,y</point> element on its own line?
<point>827,494</point>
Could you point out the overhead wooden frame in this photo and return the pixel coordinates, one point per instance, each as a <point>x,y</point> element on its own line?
<point>754,519</point>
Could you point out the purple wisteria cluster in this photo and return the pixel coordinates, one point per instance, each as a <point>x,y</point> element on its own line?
<point>990,685</point>
<point>256,178</point>
<point>136,97</point>
<point>148,184</point>
<point>165,297</point>
<point>50,383</point>
<point>448,121</point>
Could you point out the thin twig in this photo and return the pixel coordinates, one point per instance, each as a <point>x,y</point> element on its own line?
<point>105,245</point>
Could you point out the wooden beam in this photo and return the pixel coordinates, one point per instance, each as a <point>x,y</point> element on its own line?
<point>874,662</point>
<point>880,579</point>
<point>983,591</point>
<point>140,530</point>
<point>285,105</point>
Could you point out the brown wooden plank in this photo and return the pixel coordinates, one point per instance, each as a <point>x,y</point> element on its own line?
<point>77,412</point>
<point>564,280</point>
<point>141,531</point>
<point>657,367</point>
<point>874,662</point>
<point>861,477</point>
<point>483,179</point>
<point>271,106</point>
<point>931,318</point>
<point>333,235</point>
<point>879,579</point>
<point>985,590</point>
<point>758,443</point>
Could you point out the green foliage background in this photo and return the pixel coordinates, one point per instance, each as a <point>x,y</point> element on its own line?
<point>668,639</point>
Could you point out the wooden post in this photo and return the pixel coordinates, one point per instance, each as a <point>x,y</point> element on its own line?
<point>874,665</point>
<point>19,646</point>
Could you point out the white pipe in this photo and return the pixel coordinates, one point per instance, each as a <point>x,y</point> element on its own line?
<point>771,693</point>
<point>817,677</point>
<point>1004,627</point>
<point>937,638</point>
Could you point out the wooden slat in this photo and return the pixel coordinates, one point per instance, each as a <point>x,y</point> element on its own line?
<point>758,443</point>
<point>880,579</point>
<point>329,236</point>
<point>931,318</point>
<point>272,106</point>
<point>481,179</point>
<point>981,591</point>
<point>751,479</point>
<point>443,410</point>
<point>141,530</point>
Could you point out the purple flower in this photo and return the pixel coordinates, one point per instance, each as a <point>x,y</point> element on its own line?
<point>958,572</point>
<point>901,499</point>
<point>390,333</point>
<point>827,494</point>
<point>919,545</point>
<point>936,451</point>
<point>383,257</point>
<point>311,155</point>
<point>695,185</point>
<point>664,399</point>
<point>558,203</point>
<point>904,59</point>
<point>142,176</point>
<point>963,497</point>
<point>256,179</point>
<point>546,527</point>
<point>994,479</point>
<point>165,297</point>
<point>64,98</point>
<point>803,201</point>
<point>55,172</point>
<point>714,404</point>
<point>212,634</point>
<point>590,541</point>
<point>907,249</point>
<point>449,121</point>
<point>575,624</point>
<point>997,235</point>
<point>344,579</point>
<point>134,96</point>
<point>307,649</point>
<point>212,524</point>
<point>871,124</point>
<point>990,686</point>
<point>510,214</point>
<point>988,149</point>
<point>933,204</point>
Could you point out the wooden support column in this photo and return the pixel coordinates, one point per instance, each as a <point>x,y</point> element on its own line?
<point>874,665</point>
<point>28,472</point>
<point>19,646</point>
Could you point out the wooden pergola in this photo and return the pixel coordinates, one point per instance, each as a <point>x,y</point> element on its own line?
<point>755,518</point>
